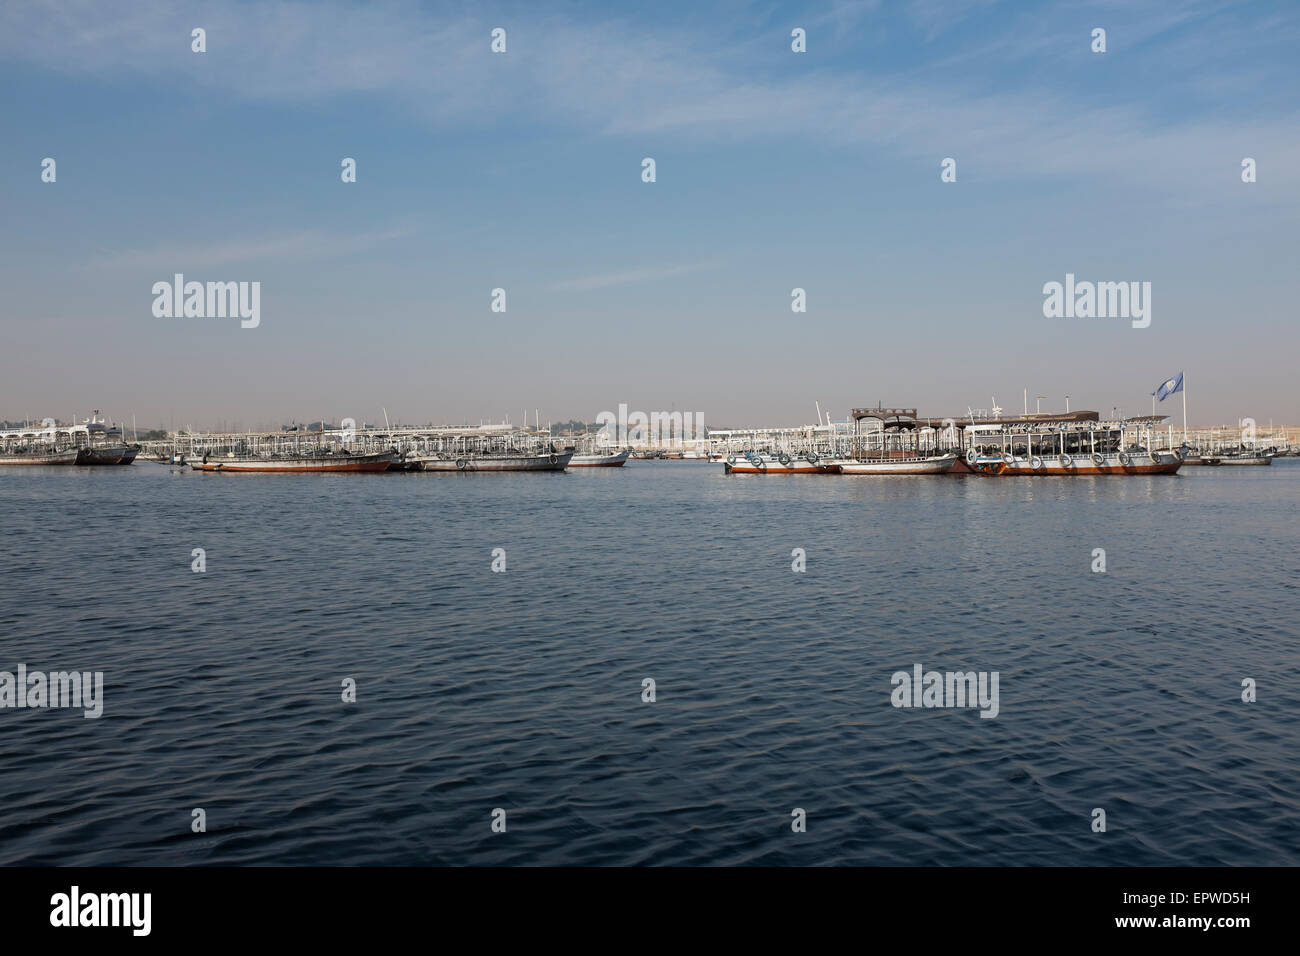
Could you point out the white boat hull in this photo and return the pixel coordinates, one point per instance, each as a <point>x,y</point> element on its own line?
<point>599,461</point>
<point>900,466</point>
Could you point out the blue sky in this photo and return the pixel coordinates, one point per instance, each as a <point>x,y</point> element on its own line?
<point>775,170</point>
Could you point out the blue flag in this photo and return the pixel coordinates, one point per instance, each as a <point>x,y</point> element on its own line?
<point>1170,387</point>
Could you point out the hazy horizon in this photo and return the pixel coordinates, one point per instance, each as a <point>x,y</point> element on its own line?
<point>522,170</point>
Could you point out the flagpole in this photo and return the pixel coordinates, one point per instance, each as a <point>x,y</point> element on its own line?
<point>1184,409</point>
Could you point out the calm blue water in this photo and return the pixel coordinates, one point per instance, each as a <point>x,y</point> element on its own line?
<point>522,690</point>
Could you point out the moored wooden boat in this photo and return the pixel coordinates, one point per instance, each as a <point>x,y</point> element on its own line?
<point>546,461</point>
<point>1075,445</point>
<point>104,454</point>
<point>1079,464</point>
<point>39,456</point>
<point>610,460</point>
<point>779,464</point>
<point>919,465</point>
<point>312,464</point>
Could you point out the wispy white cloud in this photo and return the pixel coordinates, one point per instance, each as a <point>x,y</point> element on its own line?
<point>938,16</point>
<point>298,246</point>
<point>588,283</point>
<point>607,76</point>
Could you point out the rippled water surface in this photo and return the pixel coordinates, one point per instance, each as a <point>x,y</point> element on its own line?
<point>522,690</point>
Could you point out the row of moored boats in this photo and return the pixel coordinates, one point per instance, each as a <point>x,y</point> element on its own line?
<point>883,442</point>
<point>897,442</point>
<point>92,442</point>
<point>554,458</point>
